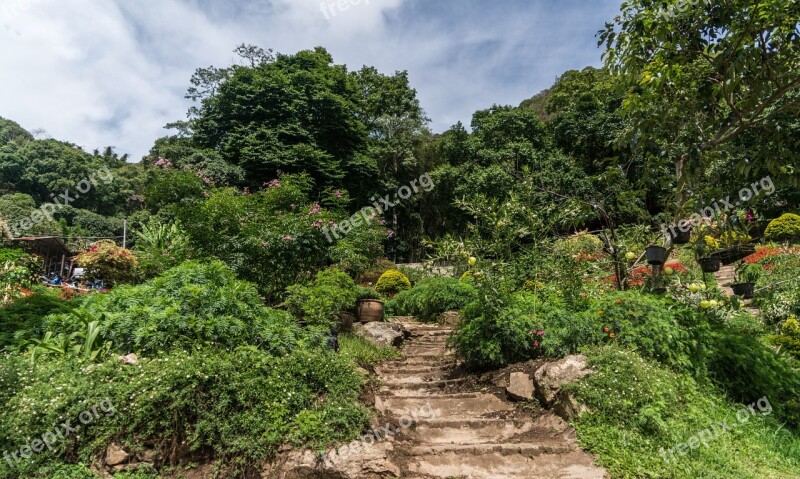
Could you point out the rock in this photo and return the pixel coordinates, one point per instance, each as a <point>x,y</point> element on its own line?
<point>116,455</point>
<point>567,407</point>
<point>357,460</point>
<point>129,359</point>
<point>382,334</point>
<point>520,387</point>
<point>549,378</point>
<point>451,318</point>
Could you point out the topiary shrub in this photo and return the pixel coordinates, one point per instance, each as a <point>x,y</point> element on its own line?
<point>392,282</point>
<point>784,228</point>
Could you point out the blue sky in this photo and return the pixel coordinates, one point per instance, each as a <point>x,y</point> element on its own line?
<point>114,72</point>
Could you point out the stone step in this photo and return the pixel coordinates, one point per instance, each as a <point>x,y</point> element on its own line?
<point>471,431</point>
<point>447,407</point>
<point>475,463</point>
<point>417,383</point>
<point>420,369</point>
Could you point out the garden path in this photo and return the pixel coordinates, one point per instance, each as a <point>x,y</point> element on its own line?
<point>471,434</point>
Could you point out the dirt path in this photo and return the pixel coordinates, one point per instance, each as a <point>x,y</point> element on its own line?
<point>470,434</point>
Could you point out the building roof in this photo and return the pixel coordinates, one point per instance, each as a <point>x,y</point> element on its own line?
<point>43,245</point>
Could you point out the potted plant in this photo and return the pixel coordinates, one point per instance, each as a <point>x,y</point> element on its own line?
<point>704,247</point>
<point>369,307</point>
<point>656,255</point>
<point>680,233</point>
<point>746,277</point>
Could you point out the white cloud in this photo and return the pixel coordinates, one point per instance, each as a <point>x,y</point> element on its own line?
<point>113,72</point>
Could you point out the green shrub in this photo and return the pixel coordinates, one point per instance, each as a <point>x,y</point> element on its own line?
<point>237,407</point>
<point>322,302</point>
<point>364,353</point>
<point>784,228</point>
<point>25,316</point>
<point>392,282</point>
<point>192,305</point>
<point>499,329</point>
<point>656,327</point>
<point>581,243</point>
<point>432,297</point>
<point>639,411</point>
<point>789,339</point>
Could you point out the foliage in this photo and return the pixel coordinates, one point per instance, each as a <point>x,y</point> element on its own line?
<point>364,353</point>
<point>322,302</point>
<point>159,247</point>
<point>497,328</point>
<point>272,238</point>
<point>392,282</point>
<point>654,326</point>
<point>779,286</point>
<point>25,316</point>
<point>784,228</point>
<point>748,273</point>
<point>213,402</point>
<point>193,305</point>
<point>363,292</point>
<point>109,262</point>
<point>581,243</point>
<point>789,339</point>
<point>432,297</point>
<point>640,411</point>
<point>700,74</point>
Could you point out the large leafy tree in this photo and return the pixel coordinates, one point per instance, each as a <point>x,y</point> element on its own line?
<point>701,74</point>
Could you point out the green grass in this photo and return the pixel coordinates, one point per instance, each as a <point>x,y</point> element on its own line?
<point>638,407</point>
<point>363,352</point>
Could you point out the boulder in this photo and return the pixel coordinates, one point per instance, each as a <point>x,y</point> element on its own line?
<point>549,378</point>
<point>520,387</point>
<point>129,359</point>
<point>567,407</point>
<point>382,334</point>
<point>451,318</point>
<point>116,455</point>
<point>354,461</point>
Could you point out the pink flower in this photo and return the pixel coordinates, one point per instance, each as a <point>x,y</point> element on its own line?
<point>389,233</point>
<point>338,193</point>
<point>314,209</point>
<point>288,238</point>
<point>541,333</point>
<point>273,184</point>
<point>247,191</point>
<point>536,344</point>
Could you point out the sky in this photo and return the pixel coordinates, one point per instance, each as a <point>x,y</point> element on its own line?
<point>113,72</point>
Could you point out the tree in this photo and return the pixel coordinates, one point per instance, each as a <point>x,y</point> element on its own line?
<point>700,74</point>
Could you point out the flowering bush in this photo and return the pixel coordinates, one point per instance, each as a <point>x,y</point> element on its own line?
<point>106,261</point>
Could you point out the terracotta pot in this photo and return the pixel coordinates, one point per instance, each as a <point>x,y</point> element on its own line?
<point>346,323</point>
<point>370,310</point>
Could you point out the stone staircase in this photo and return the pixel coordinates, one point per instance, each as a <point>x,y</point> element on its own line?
<point>467,433</point>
